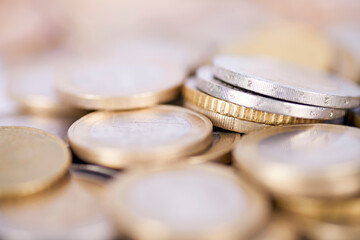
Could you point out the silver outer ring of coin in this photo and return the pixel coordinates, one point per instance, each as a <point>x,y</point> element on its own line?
<point>208,84</point>
<point>279,90</point>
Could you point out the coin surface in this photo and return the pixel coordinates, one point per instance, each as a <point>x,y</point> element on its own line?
<point>314,160</point>
<point>208,84</point>
<point>281,80</point>
<point>68,210</point>
<point>159,134</point>
<point>219,150</point>
<point>210,103</point>
<point>118,83</point>
<point>203,201</point>
<point>31,160</point>
<point>228,123</point>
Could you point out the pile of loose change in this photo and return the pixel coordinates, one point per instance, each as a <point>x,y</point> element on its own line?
<point>107,147</point>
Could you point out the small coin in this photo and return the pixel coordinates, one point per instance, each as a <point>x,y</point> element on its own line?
<point>210,103</point>
<point>68,210</point>
<point>119,83</point>
<point>219,150</point>
<point>159,134</point>
<point>226,122</point>
<point>281,80</point>
<point>203,201</point>
<point>31,160</point>
<point>314,160</point>
<point>208,84</point>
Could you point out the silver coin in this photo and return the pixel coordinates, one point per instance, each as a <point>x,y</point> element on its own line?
<point>281,80</point>
<point>208,84</point>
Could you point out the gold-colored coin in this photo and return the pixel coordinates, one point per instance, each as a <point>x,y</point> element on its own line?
<point>212,104</point>
<point>291,42</point>
<point>228,123</point>
<point>279,228</point>
<point>313,160</point>
<point>119,83</point>
<point>205,201</point>
<point>31,160</point>
<point>219,150</point>
<point>68,210</point>
<point>149,136</point>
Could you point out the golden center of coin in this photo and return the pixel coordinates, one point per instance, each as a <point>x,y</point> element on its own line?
<point>31,160</point>
<point>116,138</point>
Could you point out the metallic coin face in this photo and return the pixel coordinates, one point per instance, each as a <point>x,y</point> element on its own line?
<point>208,84</point>
<point>120,82</point>
<point>31,160</point>
<point>154,134</point>
<point>284,81</point>
<point>303,159</point>
<point>208,200</point>
<point>69,210</point>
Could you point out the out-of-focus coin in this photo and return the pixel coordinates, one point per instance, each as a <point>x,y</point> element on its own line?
<point>68,210</point>
<point>159,134</point>
<point>32,85</point>
<point>225,122</point>
<point>354,116</point>
<point>120,82</point>
<point>291,42</point>
<point>281,80</point>
<point>188,202</point>
<point>210,103</point>
<point>31,160</point>
<point>219,150</point>
<point>315,160</point>
<point>208,84</point>
<point>347,65</point>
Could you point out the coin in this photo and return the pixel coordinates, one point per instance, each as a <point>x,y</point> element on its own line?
<point>313,160</point>
<point>187,202</point>
<point>119,83</point>
<point>31,160</point>
<point>208,84</point>
<point>32,85</point>
<point>219,150</point>
<point>281,80</point>
<point>225,122</point>
<point>65,211</point>
<point>205,101</point>
<point>159,134</point>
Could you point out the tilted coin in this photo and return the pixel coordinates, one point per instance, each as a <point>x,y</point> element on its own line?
<point>119,83</point>
<point>314,160</point>
<point>68,210</point>
<point>210,85</point>
<point>149,136</point>
<point>203,201</point>
<point>31,160</point>
<point>219,150</point>
<point>281,80</point>
<point>228,123</point>
<point>210,103</point>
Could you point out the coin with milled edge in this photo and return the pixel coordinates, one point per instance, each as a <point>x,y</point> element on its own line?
<point>208,84</point>
<point>313,160</point>
<point>210,103</point>
<point>228,123</point>
<point>205,201</point>
<point>149,136</point>
<point>282,80</point>
<point>119,83</point>
<point>31,160</point>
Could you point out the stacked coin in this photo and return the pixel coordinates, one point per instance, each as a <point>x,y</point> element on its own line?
<point>245,93</point>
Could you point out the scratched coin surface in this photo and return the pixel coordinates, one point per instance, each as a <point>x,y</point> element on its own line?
<point>31,160</point>
<point>212,86</point>
<point>282,80</point>
<point>203,201</point>
<point>118,83</point>
<point>319,160</point>
<point>122,139</point>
